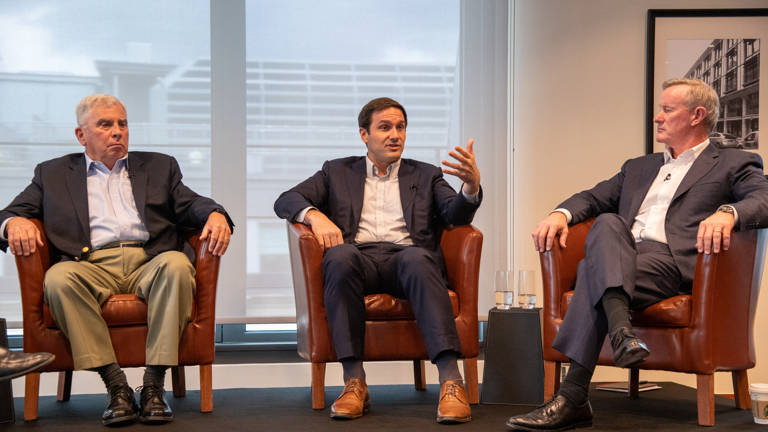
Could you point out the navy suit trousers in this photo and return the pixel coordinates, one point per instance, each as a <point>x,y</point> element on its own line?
<point>351,272</point>
<point>645,270</point>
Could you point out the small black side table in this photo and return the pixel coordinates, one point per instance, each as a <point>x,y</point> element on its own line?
<point>7,413</point>
<point>514,370</point>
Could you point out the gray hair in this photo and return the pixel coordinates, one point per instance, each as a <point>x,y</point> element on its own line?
<point>700,94</point>
<point>90,101</point>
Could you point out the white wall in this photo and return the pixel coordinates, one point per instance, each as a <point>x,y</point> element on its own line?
<point>579,89</point>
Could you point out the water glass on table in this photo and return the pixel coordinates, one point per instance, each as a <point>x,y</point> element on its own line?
<point>526,289</point>
<point>505,294</point>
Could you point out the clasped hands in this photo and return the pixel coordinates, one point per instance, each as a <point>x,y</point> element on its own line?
<point>714,232</point>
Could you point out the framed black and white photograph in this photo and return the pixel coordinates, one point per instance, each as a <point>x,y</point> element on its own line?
<point>722,48</point>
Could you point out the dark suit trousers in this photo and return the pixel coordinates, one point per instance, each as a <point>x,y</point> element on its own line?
<point>351,272</point>
<point>645,270</point>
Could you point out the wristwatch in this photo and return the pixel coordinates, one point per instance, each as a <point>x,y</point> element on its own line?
<point>727,209</point>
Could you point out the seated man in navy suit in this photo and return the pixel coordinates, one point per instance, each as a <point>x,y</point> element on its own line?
<point>652,220</point>
<point>112,218</point>
<point>379,217</point>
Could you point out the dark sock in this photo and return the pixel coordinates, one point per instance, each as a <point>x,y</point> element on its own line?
<point>616,306</point>
<point>575,387</point>
<point>154,375</point>
<point>112,375</point>
<point>448,366</point>
<point>353,368</point>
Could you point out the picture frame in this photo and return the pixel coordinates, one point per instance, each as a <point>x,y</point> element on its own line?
<point>689,43</point>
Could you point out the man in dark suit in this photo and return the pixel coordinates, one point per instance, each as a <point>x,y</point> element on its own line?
<point>653,218</point>
<point>112,220</point>
<point>379,218</point>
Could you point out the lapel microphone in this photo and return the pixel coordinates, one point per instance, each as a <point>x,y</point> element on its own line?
<point>668,177</point>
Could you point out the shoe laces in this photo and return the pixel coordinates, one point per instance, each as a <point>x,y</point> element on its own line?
<point>151,391</point>
<point>452,390</point>
<point>123,391</point>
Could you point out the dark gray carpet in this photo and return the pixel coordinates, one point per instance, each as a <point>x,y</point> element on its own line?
<point>394,408</point>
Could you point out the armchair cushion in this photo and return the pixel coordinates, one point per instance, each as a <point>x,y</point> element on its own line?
<point>672,312</point>
<point>384,307</point>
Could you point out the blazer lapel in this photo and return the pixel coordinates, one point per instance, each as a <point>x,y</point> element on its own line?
<point>78,193</point>
<point>138,176</point>
<point>701,166</point>
<point>356,186</point>
<point>406,178</point>
<point>644,181</point>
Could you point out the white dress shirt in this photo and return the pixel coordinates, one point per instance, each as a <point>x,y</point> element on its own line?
<point>111,208</point>
<point>649,222</point>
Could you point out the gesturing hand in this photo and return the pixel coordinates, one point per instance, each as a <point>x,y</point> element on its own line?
<point>217,230</point>
<point>326,232</point>
<point>466,169</point>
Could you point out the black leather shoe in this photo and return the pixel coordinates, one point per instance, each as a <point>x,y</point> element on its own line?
<point>153,406</point>
<point>15,364</point>
<point>628,349</point>
<point>121,408</point>
<point>556,415</point>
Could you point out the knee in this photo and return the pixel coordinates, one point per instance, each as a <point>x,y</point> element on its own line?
<point>175,263</point>
<point>342,258</point>
<point>58,278</point>
<point>608,225</point>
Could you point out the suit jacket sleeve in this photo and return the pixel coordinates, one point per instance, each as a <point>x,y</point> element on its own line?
<point>602,198</point>
<point>312,192</point>
<point>191,209</point>
<point>28,204</point>
<point>750,191</point>
<point>454,208</point>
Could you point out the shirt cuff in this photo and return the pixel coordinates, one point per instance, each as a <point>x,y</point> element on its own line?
<point>2,229</point>
<point>302,214</point>
<point>472,198</point>
<point>567,213</point>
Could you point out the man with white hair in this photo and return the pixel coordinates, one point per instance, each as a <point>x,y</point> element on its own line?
<point>112,218</point>
<point>652,220</point>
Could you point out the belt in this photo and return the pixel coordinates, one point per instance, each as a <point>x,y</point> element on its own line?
<point>122,244</point>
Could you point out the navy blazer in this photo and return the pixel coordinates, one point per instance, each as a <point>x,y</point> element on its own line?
<point>717,177</point>
<point>429,202</point>
<point>58,195</point>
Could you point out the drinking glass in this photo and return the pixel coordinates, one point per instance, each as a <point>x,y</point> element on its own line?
<point>505,294</point>
<point>526,289</point>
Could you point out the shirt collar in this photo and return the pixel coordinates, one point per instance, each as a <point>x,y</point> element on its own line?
<point>118,164</point>
<point>372,171</point>
<point>689,155</point>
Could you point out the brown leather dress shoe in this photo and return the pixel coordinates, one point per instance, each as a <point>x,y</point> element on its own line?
<point>353,402</point>
<point>454,404</point>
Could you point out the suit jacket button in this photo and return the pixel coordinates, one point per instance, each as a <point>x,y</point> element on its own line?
<point>85,249</point>
<point>77,258</point>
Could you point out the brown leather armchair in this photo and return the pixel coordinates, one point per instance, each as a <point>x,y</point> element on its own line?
<point>391,332</point>
<point>705,332</point>
<point>126,316</point>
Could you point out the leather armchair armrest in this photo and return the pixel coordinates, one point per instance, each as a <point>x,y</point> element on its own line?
<point>206,277</point>
<point>724,296</point>
<point>462,246</point>
<point>558,267</point>
<point>31,270</point>
<point>306,268</point>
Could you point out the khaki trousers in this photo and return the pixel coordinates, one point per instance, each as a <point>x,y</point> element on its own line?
<point>75,291</point>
